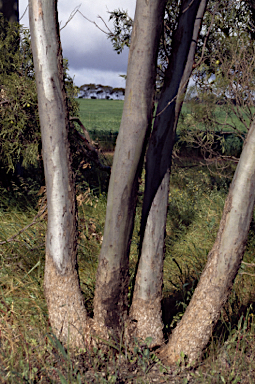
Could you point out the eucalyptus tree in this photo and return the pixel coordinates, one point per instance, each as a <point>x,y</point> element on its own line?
<point>66,308</point>
<point>111,299</point>
<point>64,299</point>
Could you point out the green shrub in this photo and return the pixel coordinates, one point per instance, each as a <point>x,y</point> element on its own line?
<point>20,137</point>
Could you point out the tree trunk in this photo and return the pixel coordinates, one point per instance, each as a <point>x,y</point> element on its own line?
<point>10,10</point>
<point>145,312</point>
<point>67,313</point>
<point>146,304</point>
<point>159,153</point>
<point>190,61</point>
<point>110,302</point>
<point>195,329</point>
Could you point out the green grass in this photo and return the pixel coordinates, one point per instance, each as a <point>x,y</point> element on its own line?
<point>102,119</point>
<point>224,117</point>
<point>29,353</point>
<point>104,115</point>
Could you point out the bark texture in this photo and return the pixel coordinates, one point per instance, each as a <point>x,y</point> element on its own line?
<point>145,312</point>
<point>159,154</point>
<point>195,329</point>
<point>110,302</point>
<point>146,308</point>
<point>67,313</point>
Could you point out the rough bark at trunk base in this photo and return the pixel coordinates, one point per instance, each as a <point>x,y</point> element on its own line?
<point>146,304</point>
<point>105,311</point>
<point>67,314</point>
<point>147,323</point>
<point>196,328</point>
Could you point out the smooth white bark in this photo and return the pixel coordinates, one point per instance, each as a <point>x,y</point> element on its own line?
<point>195,329</point>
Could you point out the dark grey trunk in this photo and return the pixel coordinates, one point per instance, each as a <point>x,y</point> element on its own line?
<point>10,10</point>
<point>62,290</point>
<point>110,303</point>
<point>159,153</point>
<point>195,329</point>
<point>190,61</point>
<point>146,304</point>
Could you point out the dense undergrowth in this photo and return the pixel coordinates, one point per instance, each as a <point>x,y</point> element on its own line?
<point>30,353</point>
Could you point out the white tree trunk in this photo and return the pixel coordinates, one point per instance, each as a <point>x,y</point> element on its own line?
<point>195,329</point>
<point>110,303</point>
<point>66,309</point>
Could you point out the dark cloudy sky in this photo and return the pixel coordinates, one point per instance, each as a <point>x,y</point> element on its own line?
<point>89,52</point>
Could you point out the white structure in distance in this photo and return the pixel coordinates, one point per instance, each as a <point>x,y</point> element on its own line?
<point>98,91</point>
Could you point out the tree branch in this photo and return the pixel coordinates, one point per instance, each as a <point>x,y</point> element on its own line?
<point>39,214</point>
<point>92,152</point>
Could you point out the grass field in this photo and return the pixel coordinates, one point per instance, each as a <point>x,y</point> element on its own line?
<point>105,115</point>
<point>102,115</point>
<point>102,119</point>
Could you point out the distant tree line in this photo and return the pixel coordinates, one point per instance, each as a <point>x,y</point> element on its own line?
<point>98,91</point>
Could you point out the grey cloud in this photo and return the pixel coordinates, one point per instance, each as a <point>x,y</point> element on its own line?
<point>100,58</point>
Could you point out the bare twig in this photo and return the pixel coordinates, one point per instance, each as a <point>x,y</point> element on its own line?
<point>86,134</point>
<point>250,265</point>
<point>109,33</point>
<point>206,38</point>
<point>190,4</point>
<point>73,13</point>
<point>23,13</point>
<point>4,102</point>
<point>247,273</point>
<point>173,99</point>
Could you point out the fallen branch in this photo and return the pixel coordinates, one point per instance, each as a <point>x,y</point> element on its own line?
<point>39,214</point>
<point>248,264</point>
<point>91,151</point>
<point>247,273</point>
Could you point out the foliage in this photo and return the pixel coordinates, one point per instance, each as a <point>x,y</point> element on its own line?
<point>20,137</point>
<point>122,29</point>
<point>122,24</point>
<point>19,133</point>
<point>223,78</point>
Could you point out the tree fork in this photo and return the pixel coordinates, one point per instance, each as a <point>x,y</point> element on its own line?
<point>110,302</point>
<point>145,313</point>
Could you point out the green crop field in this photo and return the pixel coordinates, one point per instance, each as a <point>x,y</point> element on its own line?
<point>102,119</point>
<point>102,115</point>
<point>105,115</point>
